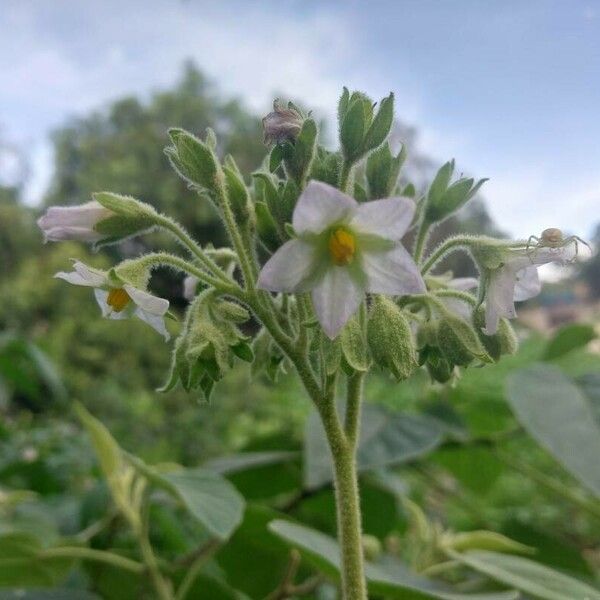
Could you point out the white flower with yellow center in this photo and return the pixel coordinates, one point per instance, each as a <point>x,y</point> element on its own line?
<point>120,300</point>
<point>344,249</point>
<point>516,280</point>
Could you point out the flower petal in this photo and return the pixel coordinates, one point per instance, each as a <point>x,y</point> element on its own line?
<point>320,206</point>
<point>463,283</point>
<point>527,284</point>
<point>290,269</point>
<point>336,298</point>
<point>83,275</point>
<point>146,301</point>
<point>499,301</point>
<point>392,272</point>
<point>388,218</point>
<point>84,215</point>
<point>190,287</point>
<point>82,234</point>
<point>155,321</point>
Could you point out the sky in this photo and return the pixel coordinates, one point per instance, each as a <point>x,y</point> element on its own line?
<point>510,89</point>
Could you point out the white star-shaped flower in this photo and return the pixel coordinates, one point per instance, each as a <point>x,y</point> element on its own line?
<point>344,249</point>
<point>517,280</point>
<point>120,301</point>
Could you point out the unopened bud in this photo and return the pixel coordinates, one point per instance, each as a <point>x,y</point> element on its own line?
<point>390,338</point>
<point>193,159</point>
<point>504,341</point>
<point>458,341</point>
<point>371,547</point>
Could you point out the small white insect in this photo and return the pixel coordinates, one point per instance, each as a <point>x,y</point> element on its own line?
<point>553,238</point>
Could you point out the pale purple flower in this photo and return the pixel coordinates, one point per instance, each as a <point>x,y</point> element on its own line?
<point>517,280</point>
<point>344,249</point>
<point>60,223</point>
<point>122,300</point>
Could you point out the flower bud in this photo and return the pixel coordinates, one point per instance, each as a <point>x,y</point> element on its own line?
<point>504,341</point>
<point>390,338</point>
<point>193,159</point>
<point>371,547</point>
<point>60,223</point>
<point>458,341</point>
<point>438,366</point>
<point>282,124</point>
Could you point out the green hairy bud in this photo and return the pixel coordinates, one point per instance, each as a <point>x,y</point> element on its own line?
<point>444,198</point>
<point>504,341</point>
<point>131,217</point>
<point>383,169</point>
<point>208,344</point>
<point>390,338</point>
<point>360,129</point>
<point>237,191</point>
<point>458,341</point>
<point>193,159</point>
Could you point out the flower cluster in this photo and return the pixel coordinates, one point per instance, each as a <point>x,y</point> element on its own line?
<point>337,286</point>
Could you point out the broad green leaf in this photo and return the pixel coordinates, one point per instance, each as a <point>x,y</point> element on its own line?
<point>569,338</point>
<point>528,576</point>
<point>248,460</point>
<point>254,559</point>
<point>209,498</point>
<point>386,438</point>
<point>391,579</point>
<point>558,415</point>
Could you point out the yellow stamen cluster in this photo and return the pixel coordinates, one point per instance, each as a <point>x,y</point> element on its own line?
<point>342,246</point>
<point>118,299</point>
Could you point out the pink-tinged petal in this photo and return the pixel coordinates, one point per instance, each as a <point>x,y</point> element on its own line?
<point>155,321</point>
<point>463,284</point>
<point>146,301</point>
<point>527,284</point>
<point>73,222</point>
<point>290,269</point>
<point>388,218</point>
<point>336,298</point>
<point>61,234</point>
<point>392,272</point>
<point>499,301</point>
<point>320,206</point>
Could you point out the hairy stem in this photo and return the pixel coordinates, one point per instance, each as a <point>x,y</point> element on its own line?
<point>422,236</point>
<point>345,175</point>
<point>353,402</point>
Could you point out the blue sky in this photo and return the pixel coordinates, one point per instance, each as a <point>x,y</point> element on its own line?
<point>509,89</point>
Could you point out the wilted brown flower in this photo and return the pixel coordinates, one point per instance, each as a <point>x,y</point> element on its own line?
<point>282,124</point>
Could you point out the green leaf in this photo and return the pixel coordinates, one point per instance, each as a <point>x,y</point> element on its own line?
<point>569,338</point>
<point>380,127</point>
<point>393,580</point>
<point>107,449</point>
<point>386,438</point>
<point>248,460</point>
<point>210,498</point>
<point>343,106</point>
<point>528,576</point>
<point>559,416</point>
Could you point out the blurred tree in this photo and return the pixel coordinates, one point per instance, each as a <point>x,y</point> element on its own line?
<point>590,270</point>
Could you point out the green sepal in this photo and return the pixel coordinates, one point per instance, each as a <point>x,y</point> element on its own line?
<point>343,106</point>
<point>381,125</point>
<point>353,130</point>
<point>504,341</point>
<point>326,166</point>
<point>332,353</point>
<point>383,170</point>
<point>458,341</point>
<point>298,156</point>
<point>237,192</point>
<point>266,227</point>
<point>354,345</point>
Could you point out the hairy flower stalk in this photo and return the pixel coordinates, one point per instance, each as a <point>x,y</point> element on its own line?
<point>336,296</point>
